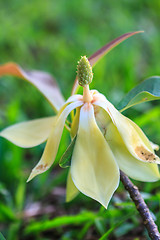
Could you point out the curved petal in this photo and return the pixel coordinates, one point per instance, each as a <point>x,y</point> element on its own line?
<point>93,167</point>
<point>74,98</point>
<point>103,51</point>
<point>43,81</point>
<point>75,123</point>
<point>135,140</point>
<point>71,190</point>
<point>52,145</point>
<point>29,134</point>
<point>134,168</point>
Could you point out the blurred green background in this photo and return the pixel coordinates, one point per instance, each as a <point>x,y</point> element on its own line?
<point>51,36</point>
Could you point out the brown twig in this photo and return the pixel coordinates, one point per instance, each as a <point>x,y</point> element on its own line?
<point>141,207</point>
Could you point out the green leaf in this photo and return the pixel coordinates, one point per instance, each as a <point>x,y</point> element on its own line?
<point>65,160</point>
<point>123,229</point>
<point>6,213</point>
<point>1,237</point>
<point>117,224</point>
<point>148,90</point>
<point>20,194</point>
<point>60,221</point>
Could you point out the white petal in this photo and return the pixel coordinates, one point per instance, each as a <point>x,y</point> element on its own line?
<point>52,145</point>
<point>93,168</point>
<point>29,134</point>
<point>135,140</point>
<point>134,168</point>
<point>75,98</point>
<point>71,190</point>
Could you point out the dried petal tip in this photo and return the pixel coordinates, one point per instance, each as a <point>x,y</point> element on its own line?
<point>84,72</point>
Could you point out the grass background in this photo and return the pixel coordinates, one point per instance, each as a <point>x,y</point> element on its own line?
<point>51,36</point>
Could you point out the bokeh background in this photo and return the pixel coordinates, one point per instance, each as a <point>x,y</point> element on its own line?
<point>51,36</point>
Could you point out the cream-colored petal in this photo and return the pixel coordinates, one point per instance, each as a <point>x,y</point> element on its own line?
<point>151,157</point>
<point>75,123</point>
<point>135,140</point>
<point>93,167</point>
<point>74,98</point>
<point>29,134</point>
<point>71,190</point>
<point>134,168</point>
<point>52,145</point>
<point>102,118</point>
<point>71,99</point>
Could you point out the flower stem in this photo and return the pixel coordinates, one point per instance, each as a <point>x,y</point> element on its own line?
<point>86,94</point>
<point>141,207</point>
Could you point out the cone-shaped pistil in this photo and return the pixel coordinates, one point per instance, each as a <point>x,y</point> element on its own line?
<point>85,76</point>
<point>84,72</point>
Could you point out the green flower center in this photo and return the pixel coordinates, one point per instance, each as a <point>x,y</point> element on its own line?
<point>84,72</point>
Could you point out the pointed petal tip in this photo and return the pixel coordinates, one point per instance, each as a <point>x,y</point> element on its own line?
<point>141,31</point>
<point>67,200</point>
<point>29,179</point>
<point>71,190</point>
<point>39,168</point>
<point>36,171</point>
<point>71,195</point>
<point>31,176</point>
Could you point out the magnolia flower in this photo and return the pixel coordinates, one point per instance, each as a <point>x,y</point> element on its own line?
<point>105,141</point>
